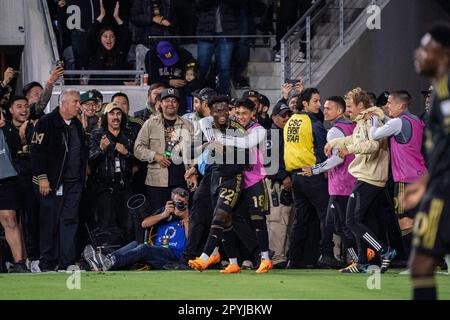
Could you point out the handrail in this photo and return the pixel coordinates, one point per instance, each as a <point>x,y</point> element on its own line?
<point>51,34</point>
<point>294,44</point>
<point>102,72</point>
<point>303,19</point>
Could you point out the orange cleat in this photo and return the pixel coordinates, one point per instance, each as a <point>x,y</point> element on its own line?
<point>231,268</point>
<point>370,254</point>
<point>197,264</point>
<point>213,260</point>
<point>265,266</point>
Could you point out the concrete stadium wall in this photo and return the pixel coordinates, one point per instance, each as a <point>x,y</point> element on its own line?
<point>384,59</point>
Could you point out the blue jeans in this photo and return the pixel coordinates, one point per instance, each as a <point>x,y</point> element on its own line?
<point>241,53</point>
<point>222,48</point>
<point>135,252</point>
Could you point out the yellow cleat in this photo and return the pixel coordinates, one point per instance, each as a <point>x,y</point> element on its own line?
<point>197,264</point>
<point>213,260</point>
<point>265,266</point>
<point>231,268</point>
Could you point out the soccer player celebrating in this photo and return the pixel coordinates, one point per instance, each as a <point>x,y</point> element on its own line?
<point>254,193</point>
<point>431,237</point>
<point>226,180</point>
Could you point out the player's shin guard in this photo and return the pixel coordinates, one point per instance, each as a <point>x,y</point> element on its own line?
<point>229,242</point>
<point>215,236</point>
<point>260,225</point>
<point>424,288</point>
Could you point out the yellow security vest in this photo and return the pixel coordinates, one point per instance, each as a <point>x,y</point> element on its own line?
<point>298,142</point>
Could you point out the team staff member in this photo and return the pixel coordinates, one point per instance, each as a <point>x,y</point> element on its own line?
<point>304,139</point>
<point>279,186</point>
<point>405,132</point>
<point>431,237</point>
<point>340,181</point>
<point>58,159</point>
<point>370,168</point>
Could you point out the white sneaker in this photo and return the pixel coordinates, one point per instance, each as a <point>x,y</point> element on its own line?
<point>34,266</point>
<point>247,265</point>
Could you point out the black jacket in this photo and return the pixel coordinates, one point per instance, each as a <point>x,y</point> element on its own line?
<point>20,150</point>
<point>49,152</point>
<point>115,59</point>
<point>141,17</point>
<point>282,173</point>
<point>103,163</point>
<point>229,15</point>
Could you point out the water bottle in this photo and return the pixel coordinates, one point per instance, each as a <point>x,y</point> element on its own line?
<point>165,242</point>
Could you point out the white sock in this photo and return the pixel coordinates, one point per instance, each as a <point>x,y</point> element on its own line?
<point>265,255</point>
<point>215,252</point>
<point>204,257</point>
<point>233,261</point>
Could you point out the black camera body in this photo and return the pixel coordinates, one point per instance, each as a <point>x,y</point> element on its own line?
<point>180,205</point>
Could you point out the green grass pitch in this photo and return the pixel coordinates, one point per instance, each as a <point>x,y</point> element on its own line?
<point>174,285</point>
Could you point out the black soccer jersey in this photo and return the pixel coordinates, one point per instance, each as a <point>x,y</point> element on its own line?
<point>438,133</point>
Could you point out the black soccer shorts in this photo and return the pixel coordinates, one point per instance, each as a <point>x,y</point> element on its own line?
<point>225,191</point>
<point>432,222</point>
<point>257,199</point>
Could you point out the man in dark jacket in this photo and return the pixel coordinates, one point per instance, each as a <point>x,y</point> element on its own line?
<point>150,109</point>
<point>218,19</point>
<point>152,18</point>
<point>279,186</point>
<point>111,161</point>
<point>58,161</point>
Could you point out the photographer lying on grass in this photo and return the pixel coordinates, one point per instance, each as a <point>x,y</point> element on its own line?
<point>172,223</point>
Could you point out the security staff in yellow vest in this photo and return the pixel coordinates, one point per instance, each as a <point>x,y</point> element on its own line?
<point>304,139</point>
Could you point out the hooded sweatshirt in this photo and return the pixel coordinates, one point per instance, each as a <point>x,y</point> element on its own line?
<point>371,163</point>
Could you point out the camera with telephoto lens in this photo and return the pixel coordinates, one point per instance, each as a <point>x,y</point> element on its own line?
<point>180,205</point>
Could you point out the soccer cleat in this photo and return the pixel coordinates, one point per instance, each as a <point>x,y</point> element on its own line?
<point>265,266</point>
<point>329,262</point>
<point>354,268</point>
<point>231,268</point>
<point>387,258</point>
<point>92,258</point>
<point>370,254</point>
<point>213,260</point>
<point>197,264</point>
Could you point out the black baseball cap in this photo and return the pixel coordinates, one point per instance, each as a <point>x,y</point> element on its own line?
<point>206,94</point>
<point>170,93</point>
<point>88,96</point>
<point>280,109</point>
<point>382,99</point>
<point>427,92</point>
<point>264,100</point>
<point>30,86</point>
<point>251,93</point>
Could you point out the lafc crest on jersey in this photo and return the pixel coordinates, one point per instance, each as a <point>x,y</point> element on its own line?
<point>37,138</point>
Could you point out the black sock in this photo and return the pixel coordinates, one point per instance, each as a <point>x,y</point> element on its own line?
<point>214,237</point>
<point>229,242</point>
<point>260,225</point>
<point>424,288</point>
